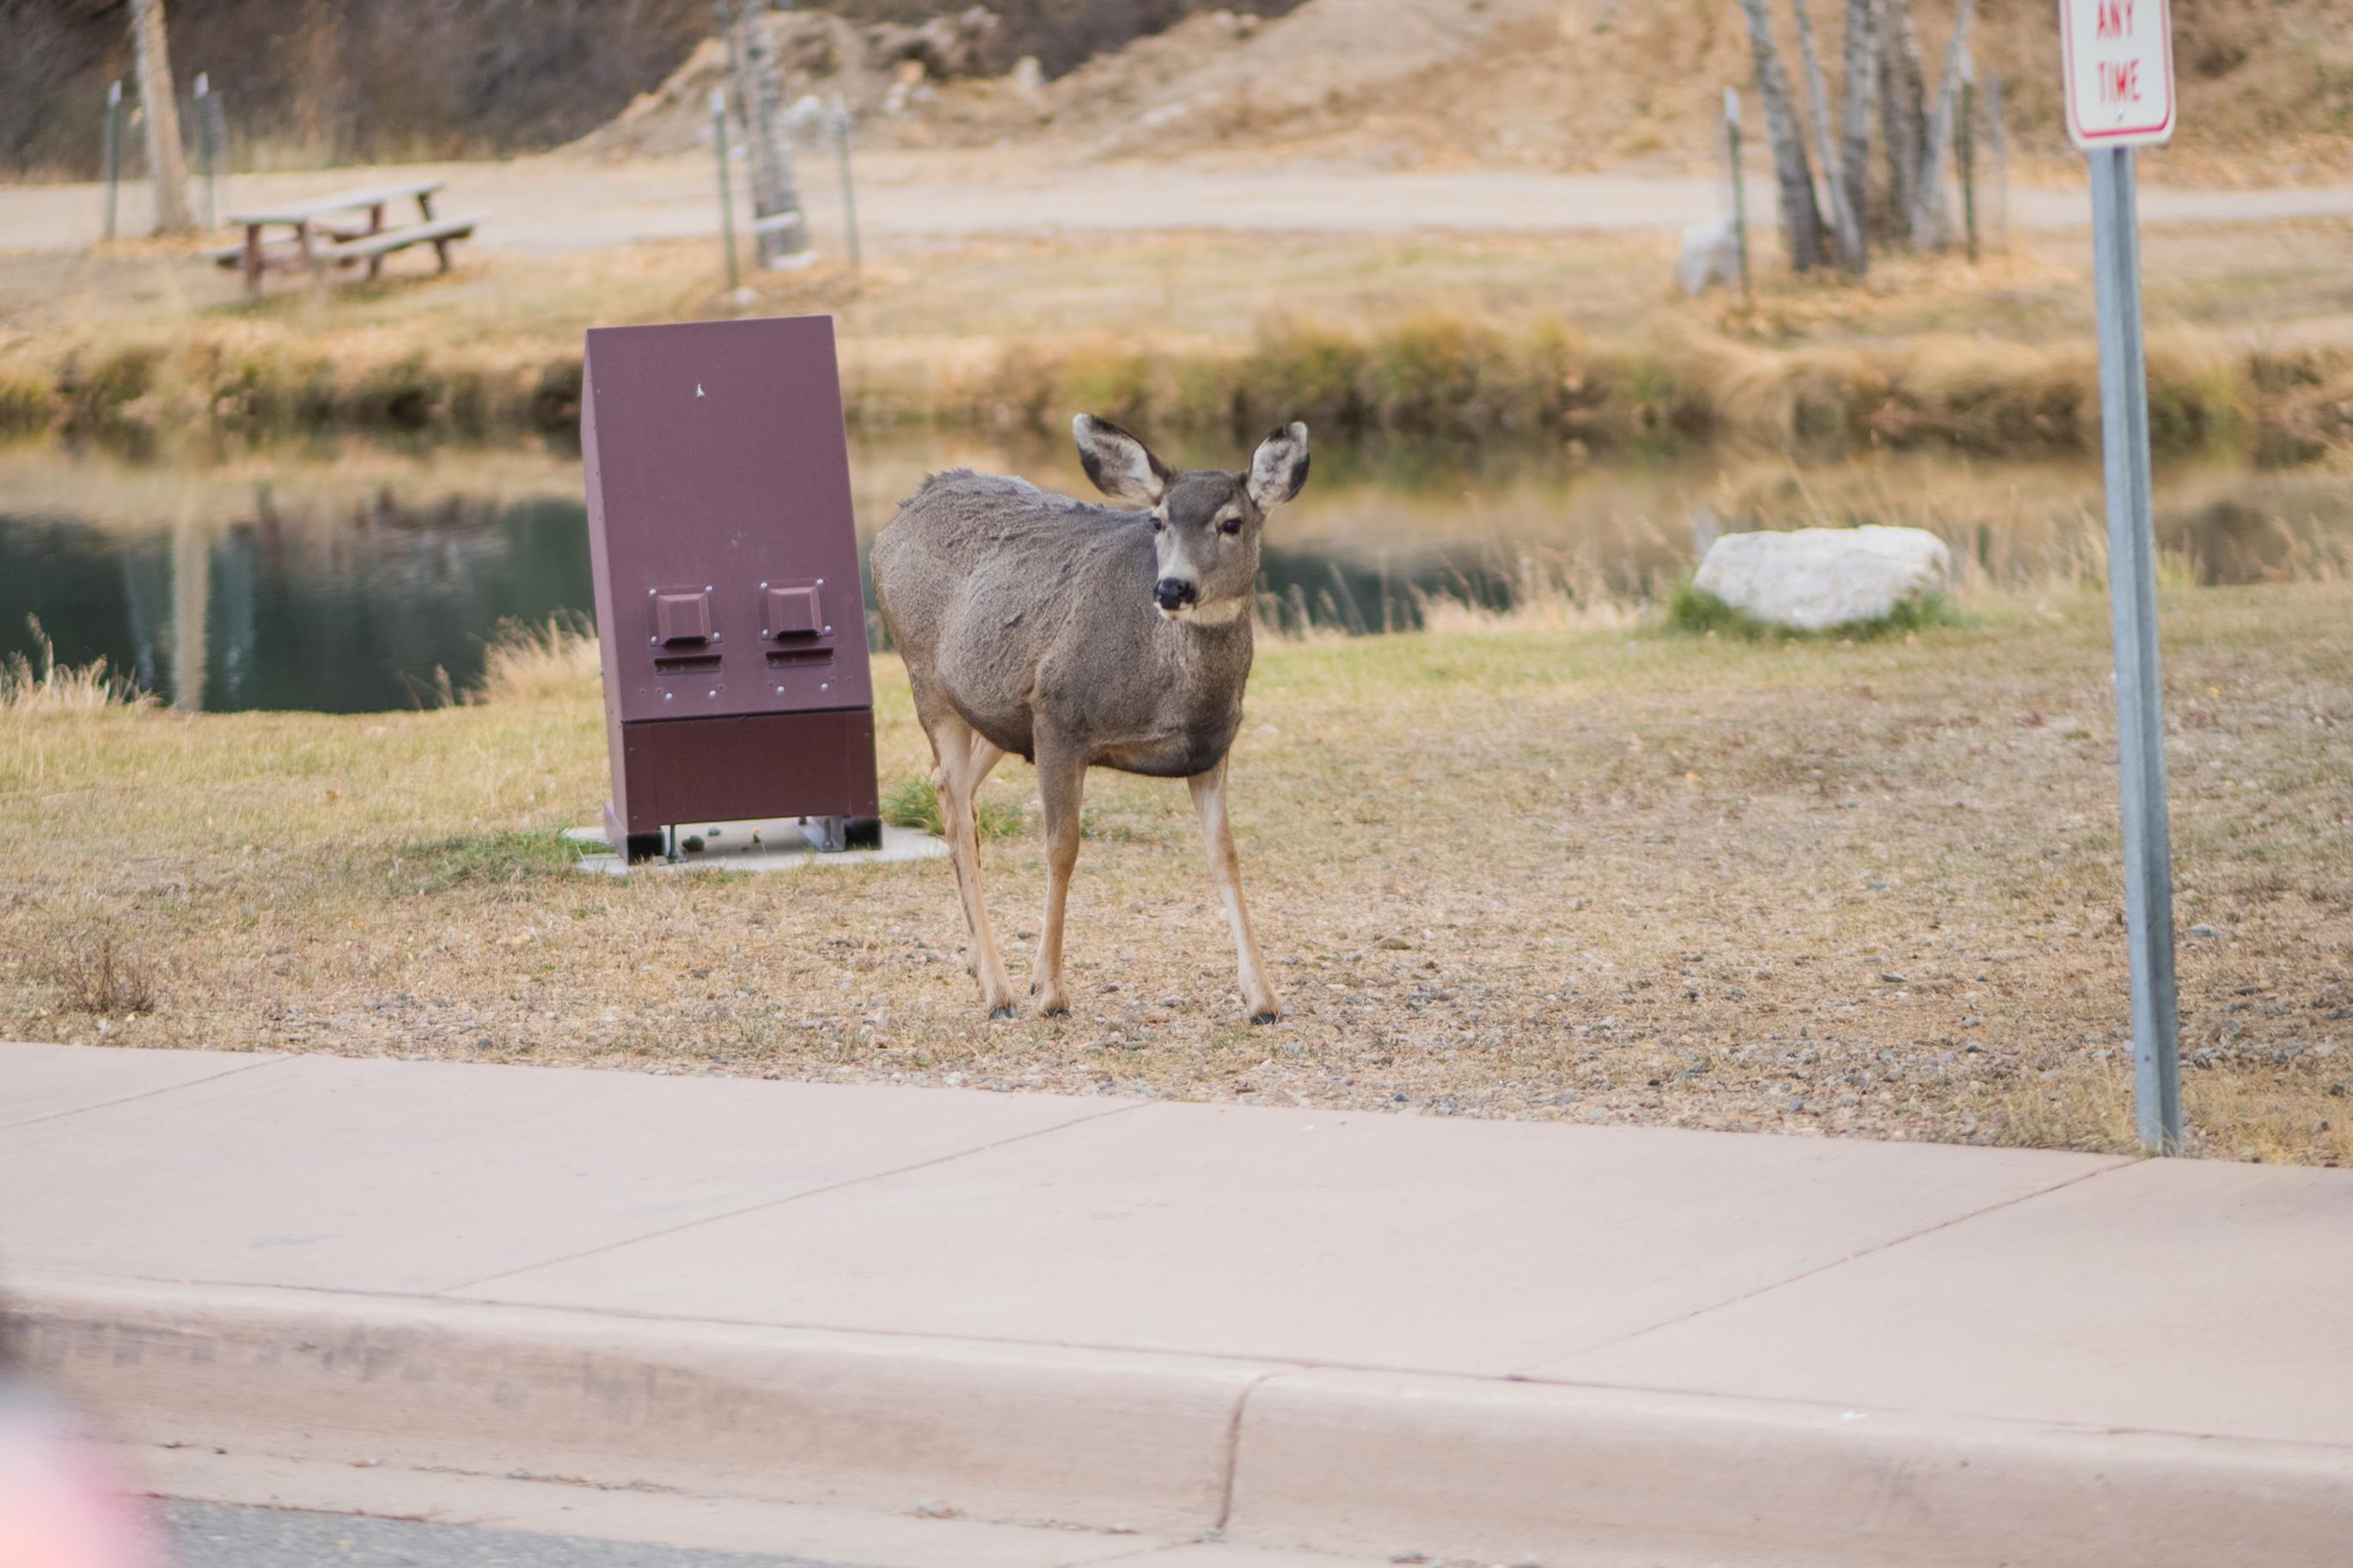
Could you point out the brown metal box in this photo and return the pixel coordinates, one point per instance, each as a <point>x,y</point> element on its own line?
<point>725,553</point>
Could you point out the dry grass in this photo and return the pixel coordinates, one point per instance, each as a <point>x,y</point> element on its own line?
<point>1599,873</point>
<point>101,977</point>
<point>554,660</point>
<point>27,686</point>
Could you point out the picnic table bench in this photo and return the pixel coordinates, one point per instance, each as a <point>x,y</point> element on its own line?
<point>324,236</point>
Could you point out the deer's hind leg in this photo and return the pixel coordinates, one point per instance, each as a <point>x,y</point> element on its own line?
<point>1226,870</point>
<point>1061,789</point>
<point>966,757</point>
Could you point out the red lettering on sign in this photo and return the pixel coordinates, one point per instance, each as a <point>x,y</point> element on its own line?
<point>2119,81</point>
<point>2115,18</point>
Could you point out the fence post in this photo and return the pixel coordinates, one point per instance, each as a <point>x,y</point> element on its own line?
<point>1966,152</point>
<point>1998,134</point>
<point>849,192</point>
<point>202,115</point>
<point>1739,188</point>
<point>726,189</point>
<point>112,155</point>
<point>219,129</point>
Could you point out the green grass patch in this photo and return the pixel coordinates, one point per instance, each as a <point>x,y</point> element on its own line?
<point>27,404</point>
<point>914,803</point>
<point>508,856</point>
<point>1696,612</point>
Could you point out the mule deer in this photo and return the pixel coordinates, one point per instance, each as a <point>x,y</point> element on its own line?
<point>1083,635</point>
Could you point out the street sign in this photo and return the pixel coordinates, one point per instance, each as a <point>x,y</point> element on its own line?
<point>2119,69</point>
<point>2117,57</point>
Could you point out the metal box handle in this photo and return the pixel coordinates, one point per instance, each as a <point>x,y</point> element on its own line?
<point>682,618</point>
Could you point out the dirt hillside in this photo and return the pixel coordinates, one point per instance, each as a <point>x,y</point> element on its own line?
<point>2266,86</point>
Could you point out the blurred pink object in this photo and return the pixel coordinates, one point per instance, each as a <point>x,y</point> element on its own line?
<point>63,1503</point>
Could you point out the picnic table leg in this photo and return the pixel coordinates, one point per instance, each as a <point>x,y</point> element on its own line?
<point>253,261</point>
<point>310,255</point>
<point>440,246</point>
<point>376,226</point>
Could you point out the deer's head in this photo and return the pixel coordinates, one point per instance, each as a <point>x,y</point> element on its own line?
<point>1205,523</point>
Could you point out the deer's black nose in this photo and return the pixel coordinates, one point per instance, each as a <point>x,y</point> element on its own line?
<point>1174,593</point>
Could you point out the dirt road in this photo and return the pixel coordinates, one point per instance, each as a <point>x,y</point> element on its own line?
<point>549,206</point>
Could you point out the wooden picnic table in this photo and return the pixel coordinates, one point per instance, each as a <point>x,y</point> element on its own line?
<point>320,239</point>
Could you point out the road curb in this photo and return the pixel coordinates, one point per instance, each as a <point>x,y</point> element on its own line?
<point>1510,1471</point>
<point>1275,1456</point>
<point>1028,1433</point>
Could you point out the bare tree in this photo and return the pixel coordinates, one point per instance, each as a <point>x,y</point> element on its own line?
<point>1903,110</point>
<point>780,231</point>
<point>1931,217</point>
<point>165,165</point>
<point>1860,67</point>
<point>1846,226</point>
<point>1801,221</point>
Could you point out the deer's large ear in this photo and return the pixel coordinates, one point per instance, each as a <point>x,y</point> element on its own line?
<point>1279,467</point>
<point>1122,467</point>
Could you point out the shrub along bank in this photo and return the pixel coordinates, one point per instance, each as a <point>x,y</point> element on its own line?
<point>1434,375</point>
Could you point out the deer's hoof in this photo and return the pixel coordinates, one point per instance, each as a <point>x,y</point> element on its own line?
<point>1002,1010</point>
<point>1269,1017</point>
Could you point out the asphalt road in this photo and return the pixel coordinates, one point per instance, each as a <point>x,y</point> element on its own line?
<point>215,1535</point>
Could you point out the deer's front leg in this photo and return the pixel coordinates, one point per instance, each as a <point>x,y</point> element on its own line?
<point>1226,870</point>
<point>1061,792</point>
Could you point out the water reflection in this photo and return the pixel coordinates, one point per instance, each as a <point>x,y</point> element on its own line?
<point>371,581</point>
<point>349,603</point>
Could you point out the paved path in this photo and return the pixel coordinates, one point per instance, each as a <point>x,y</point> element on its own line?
<point>556,205</point>
<point>1291,1328</point>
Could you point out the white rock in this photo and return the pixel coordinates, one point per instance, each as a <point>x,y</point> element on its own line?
<point>1030,83</point>
<point>1710,253</point>
<point>1816,579</point>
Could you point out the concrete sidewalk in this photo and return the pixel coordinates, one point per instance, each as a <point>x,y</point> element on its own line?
<point>1260,1327</point>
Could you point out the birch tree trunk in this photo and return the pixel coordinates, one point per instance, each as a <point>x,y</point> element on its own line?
<point>1903,112</point>
<point>1860,68</point>
<point>166,165</point>
<point>1801,221</point>
<point>1847,228</point>
<point>1932,219</point>
<point>780,234</point>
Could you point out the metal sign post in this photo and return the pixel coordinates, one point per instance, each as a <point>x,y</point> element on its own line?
<point>2118,58</point>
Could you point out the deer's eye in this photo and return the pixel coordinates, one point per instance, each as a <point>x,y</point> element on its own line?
<point>1158,524</point>
<point>1231,527</point>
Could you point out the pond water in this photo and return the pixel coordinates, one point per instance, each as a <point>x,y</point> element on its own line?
<point>355,579</point>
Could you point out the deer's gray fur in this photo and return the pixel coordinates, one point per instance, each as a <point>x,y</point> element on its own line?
<point>1079,636</point>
